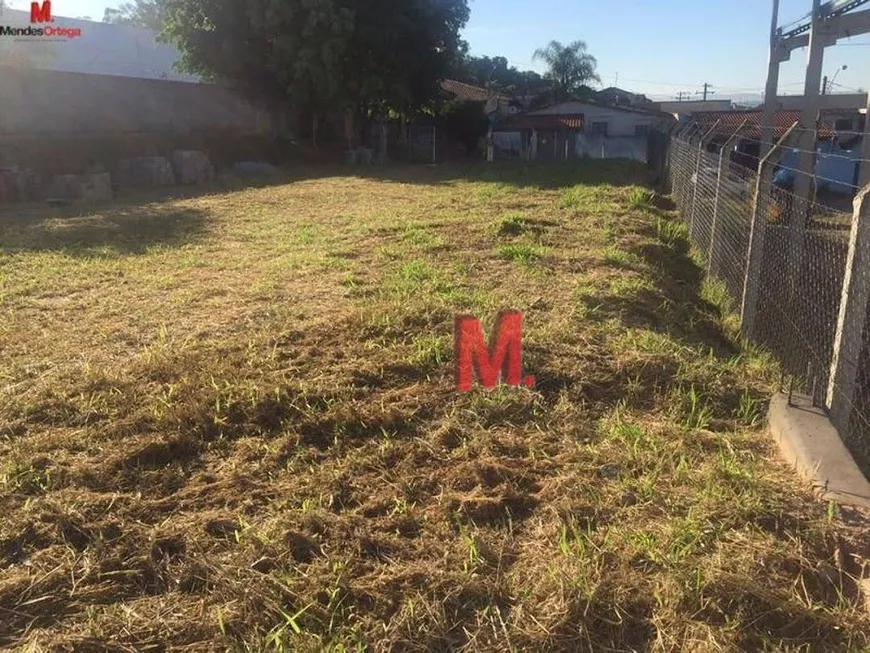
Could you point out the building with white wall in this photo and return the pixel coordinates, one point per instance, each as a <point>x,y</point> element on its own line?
<point>576,129</point>
<point>101,49</point>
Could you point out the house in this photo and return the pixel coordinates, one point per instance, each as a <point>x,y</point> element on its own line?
<point>495,103</point>
<point>621,97</point>
<point>576,129</point>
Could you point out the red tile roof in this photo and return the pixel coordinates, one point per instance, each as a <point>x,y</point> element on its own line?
<point>545,122</point>
<point>729,121</point>
<point>469,93</point>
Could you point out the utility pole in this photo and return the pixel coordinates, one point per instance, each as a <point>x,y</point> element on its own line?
<point>706,87</point>
<point>824,84</point>
<point>681,95</point>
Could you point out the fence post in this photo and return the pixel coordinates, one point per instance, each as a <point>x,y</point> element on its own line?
<point>755,254</point>
<point>668,137</point>
<point>852,321</point>
<point>701,144</point>
<point>724,157</point>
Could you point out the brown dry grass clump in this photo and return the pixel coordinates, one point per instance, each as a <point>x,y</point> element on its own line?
<point>227,422</point>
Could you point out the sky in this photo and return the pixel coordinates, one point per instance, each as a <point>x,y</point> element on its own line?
<point>655,47</point>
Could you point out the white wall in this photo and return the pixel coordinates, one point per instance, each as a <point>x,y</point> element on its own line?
<point>619,123</point>
<point>102,49</point>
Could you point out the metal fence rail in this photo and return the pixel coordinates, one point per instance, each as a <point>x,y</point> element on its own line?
<point>798,271</point>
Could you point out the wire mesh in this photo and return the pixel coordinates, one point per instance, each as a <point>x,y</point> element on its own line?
<point>857,431</point>
<point>802,283</point>
<point>798,268</point>
<point>730,236</point>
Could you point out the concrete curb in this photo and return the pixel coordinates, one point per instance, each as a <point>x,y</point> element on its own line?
<point>810,443</point>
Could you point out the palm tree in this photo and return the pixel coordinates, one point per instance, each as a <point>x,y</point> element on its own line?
<point>569,67</point>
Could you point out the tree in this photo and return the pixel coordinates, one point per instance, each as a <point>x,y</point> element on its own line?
<point>382,56</point>
<point>139,13</point>
<point>569,67</point>
<point>466,122</point>
<point>495,74</point>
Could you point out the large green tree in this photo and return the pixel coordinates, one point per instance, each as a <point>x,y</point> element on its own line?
<point>495,73</point>
<point>568,67</point>
<point>379,55</point>
<point>139,13</point>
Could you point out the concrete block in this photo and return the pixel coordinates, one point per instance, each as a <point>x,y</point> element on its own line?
<point>89,188</point>
<point>145,171</point>
<point>810,443</point>
<point>192,167</point>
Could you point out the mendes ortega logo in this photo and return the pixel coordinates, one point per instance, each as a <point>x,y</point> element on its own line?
<point>40,13</point>
<point>41,25</point>
<point>501,361</point>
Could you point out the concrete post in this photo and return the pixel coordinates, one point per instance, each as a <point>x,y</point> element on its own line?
<point>490,151</point>
<point>724,160</point>
<point>772,86</point>
<point>819,38</point>
<point>755,254</point>
<point>852,321</point>
<point>864,178</point>
<point>534,148</point>
<point>701,145</point>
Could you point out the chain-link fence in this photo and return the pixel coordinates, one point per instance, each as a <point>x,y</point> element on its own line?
<point>787,263</point>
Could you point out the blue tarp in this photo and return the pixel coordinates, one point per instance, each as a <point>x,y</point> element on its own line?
<point>835,168</point>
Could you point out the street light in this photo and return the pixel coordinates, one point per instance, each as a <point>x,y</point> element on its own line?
<point>834,79</point>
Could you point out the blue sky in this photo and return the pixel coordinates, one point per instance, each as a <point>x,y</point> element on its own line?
<point>657,47</point>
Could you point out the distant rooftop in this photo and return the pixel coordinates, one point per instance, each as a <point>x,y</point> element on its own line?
<point>729,121</point>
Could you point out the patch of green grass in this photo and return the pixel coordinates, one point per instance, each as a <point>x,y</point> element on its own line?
<point>513,224</point>
<point>640,197</point>
<point>420,236</point>
<point>431,351</point>
<point>673,233</point>
<point>620,258</point>
<point>693,411</point>
<point>525,254</point>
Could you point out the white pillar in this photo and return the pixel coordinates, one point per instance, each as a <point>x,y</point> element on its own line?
<point>865,148</point>
<point>772,86</point>
<point>852,320</point>
<point>809,117</point>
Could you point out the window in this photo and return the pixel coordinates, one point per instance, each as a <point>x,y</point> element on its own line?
<point>598,129</point>
<point>641,130</point>
<point>843,124</point>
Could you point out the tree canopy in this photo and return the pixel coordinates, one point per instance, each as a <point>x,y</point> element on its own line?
<point>569,67</point>
<point>495,73</point>
<point>139,13</point>
<point>383,55</point>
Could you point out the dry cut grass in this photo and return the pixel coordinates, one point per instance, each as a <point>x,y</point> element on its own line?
<point>227,423</point>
